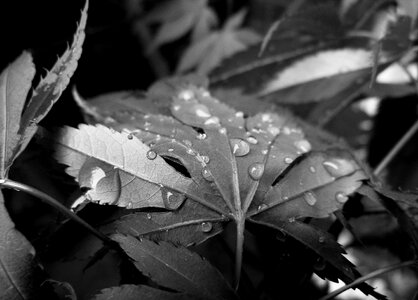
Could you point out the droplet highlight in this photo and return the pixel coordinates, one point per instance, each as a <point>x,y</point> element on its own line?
<point>212,121</point>
<point>338,167</point>
<point>201,111</point>
<point>256,171</point>
<point>130,205</point>
<point>206,227</point>
<point>341,197</point>
<point>303,146</point>
<point>288,160</point>
<point>151,155</point>
<point>239,147</point>
<point>252,140</point>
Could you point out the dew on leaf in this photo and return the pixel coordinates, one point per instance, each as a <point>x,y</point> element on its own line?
<point>262,207</point>
<point>207,175</point>
<point>176,107</point>
<point>212,121</point>
<point>186,95</point>
<point>170,150</point>
<point>149,216</point>
<point>252,140</point>
<point>201,111</point>
<point>273,130</point>
<point>206,226</point>
<point>321,239</point>
<point>312,169</point>
<point>292,219</point>
<point>239,147</point>
<point>341,197</point>
<point>187,143</point>
<point>130,136</point>
<point>239,114</point>
<point>303,145</point>
<point>256,170</point>
<point>264,152</point>
<point>337,167</point>
<point>130,205</point>
<point>151,155</point>
<point>201,136</point>
<point>310,198</point>
<point>286,130</point>
<point>190,151</point>
<point>266,118</point>
<point>288,160</point>
<point>205,159</point>
<point>222,130</point>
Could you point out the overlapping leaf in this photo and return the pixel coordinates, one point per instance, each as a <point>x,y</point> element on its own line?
<point>17,264</point>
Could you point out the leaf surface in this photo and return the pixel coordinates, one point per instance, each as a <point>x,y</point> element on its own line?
<point>17,264</point>
<point>176,268</point>
<point>134,292</point>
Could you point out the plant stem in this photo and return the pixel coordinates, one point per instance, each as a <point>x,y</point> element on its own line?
<point>395,150</point>
<point>7,183</point>
<point>367,277</point>
<point>239,250</point>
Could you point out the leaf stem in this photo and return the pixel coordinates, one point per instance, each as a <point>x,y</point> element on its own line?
<point>240,222</point>
<point>367,277</point>
<point>7,183</point>
<point>395,150</point>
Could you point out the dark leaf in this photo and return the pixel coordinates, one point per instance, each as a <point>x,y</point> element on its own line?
<point>176,268</point>
<point>17,264</point>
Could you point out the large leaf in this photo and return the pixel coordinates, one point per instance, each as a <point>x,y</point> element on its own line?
<point>15,82</point>
<point>17,264</point>
<point>229,167</point>
<point>176,268</point>
<point>134,292</point>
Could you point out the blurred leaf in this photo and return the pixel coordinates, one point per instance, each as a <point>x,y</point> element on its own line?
<point>15,82</point>
<point>409,8</point>
<point>205,54</point>
<point>176,268</point>
<point>134,292</point>
<point>17,263</point>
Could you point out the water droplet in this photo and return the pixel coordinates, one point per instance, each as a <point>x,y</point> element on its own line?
<point>187,143</point>
<point>212,121</point>
<point>264,152</point>
<point>206,226</point>
<point>205,159</point>
<point>273,130</point>
<point>266,118</point>
<point>201,111</point>
<point>239,114</point>
<point>310,198</point>
<point>286,130</point>
<point>130,205</point>
<point>292,219</point>
<point>207,175</point>
<point>252,140</point>
<point>176,107</point>
<point>190,151</point>
<point>186,95</point>
<point>262,207</point>
<point>337,167</point>
<point>130,136</point>
<point>239,147</point>
<point>149,216</point>
<point>204,93</point>
<point>341,197</point>
<point>222,130</point>
<point>151,155</point>
<point>201,136</point>
<point>303,145</point>
<point>312,169</point>
<point>288,160</point>
<point>170,150</point>
<point>319,265</point>
<point>321,239</point>
<point>256,170</point>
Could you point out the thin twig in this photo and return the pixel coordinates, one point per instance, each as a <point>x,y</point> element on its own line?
<point>367,277</point>
<point>395,150</point>
<point>7,183</point>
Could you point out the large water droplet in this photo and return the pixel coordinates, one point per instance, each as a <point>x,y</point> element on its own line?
<point>151,155</point>
<point>288,160</point>
<point>239,147</point>
<point>256,170</point>
<point>201,111</point>
<point>310,198</point>
<point>206,226</point>
<point>341,197</point>
<point>207,175</point>
<point>212,121</point>
<point>130,205</point>
<point>303,145</point>
<point>252,140</point>
<point>337,167</point>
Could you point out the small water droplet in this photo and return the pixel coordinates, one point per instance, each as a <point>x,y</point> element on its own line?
<point>186,95</point>
<point>204,93</point>
<point>212,121</point>
<point>303,145</point>
<point>321,239</point>
<point>130,136</point>
<point>190,151</point>
<point>262,207</point>
<point>292,219</point>
<point>176,107</point>
<point>273,130</point>
<point>222,130</point>
<point>239,147</point>
<point>264,152</point>
<point>286,130</point>
<point>207,175</point>
<point>310,198</point>
<point>201,136</point>
<point>130,205</point>
<point>170,150</point>
<point>206,226</point>
<point>256,170</point>
<point>205,159</point>
<point>149,216</point>
<point>341,197</point>
<point>187,143</point>
<point>239,114</point>
<point>288,160</point>
<point>312,169</point>
<point>266,118</point>
<point>201,111</point>
<point>252,140</point>
<point>337,167</point>
<point>151,155</point>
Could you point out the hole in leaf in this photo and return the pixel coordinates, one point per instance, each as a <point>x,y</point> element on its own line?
<point>176,164</point>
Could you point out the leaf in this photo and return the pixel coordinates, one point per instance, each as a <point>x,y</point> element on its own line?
<point>176,268</point>
<point>15,82</point>
<point>228,165</point>
<point>17,264</point>
<point>409,8</point>
<point>52,85</point>
<point>177,17</point>
<point>134,292</point>
<point>207,53</point>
